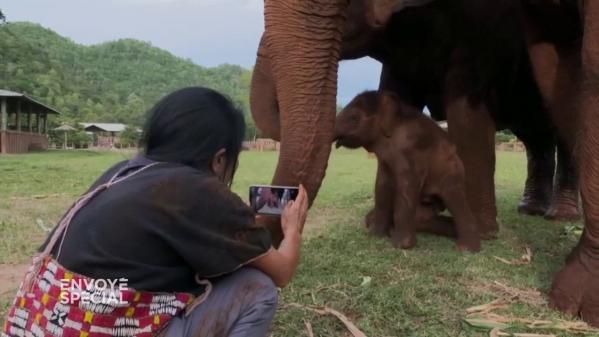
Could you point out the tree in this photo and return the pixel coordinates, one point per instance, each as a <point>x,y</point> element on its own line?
<point>129,136</point>
<point>80,139</point>
<point>504,136</point>
<point>135,109</point>
<point>2,18</point>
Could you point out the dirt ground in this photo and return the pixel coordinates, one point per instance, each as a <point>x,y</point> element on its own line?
<point>10,276</point>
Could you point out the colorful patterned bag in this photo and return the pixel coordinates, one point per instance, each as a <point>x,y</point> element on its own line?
<point>55,302</point>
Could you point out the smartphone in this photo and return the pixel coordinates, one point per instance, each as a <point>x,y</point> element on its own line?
<point>271,200</point>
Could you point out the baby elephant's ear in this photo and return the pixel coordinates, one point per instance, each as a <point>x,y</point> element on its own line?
<point>388,106</point>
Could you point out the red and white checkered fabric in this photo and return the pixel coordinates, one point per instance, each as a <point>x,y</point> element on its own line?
<point>38,312</point>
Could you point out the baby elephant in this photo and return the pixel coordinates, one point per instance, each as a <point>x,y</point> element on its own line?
<point>419,171</point>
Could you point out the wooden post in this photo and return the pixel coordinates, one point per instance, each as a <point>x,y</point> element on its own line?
<point>3,121</point>
<point>37,122</point>
<point>18,121</point>
<point>4,116</point>
<point>45,123</point>
<point>29,119</point>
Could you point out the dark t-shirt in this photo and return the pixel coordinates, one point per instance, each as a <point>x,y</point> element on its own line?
<point>161,227</point>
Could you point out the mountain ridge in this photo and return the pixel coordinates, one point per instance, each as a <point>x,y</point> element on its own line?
<point>112,81</point>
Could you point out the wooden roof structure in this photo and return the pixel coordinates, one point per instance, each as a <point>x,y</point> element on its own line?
<point>24,97</point>
<point>23,122</point>
<point>104,127</point>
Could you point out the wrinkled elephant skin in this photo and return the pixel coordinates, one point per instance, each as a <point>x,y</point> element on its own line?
<point>294,90</point>
<point>575,289</point>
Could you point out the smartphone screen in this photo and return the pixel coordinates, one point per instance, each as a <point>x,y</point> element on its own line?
<point>271,200</point>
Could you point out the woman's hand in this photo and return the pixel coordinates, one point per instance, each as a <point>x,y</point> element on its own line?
<point>280,263</point>
<point>294,215</point>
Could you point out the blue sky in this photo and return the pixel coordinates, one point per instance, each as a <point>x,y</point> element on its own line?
<point>209,32</point>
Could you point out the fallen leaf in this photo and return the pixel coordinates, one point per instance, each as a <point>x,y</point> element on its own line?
<point>485,323</point>
<point>496,304</point>
<point>500,259</point>
<point>498,333</point>
<point>365,281</point>
<point>516,334</point>
<point>524,259</point>
<point>527,295</point>
<point>348,324</point>
<point>527,257</point>
<point>481,316</point>
<point>40,224</point>
<point>351,327</point>
<point>491,321</point>
<point>309,330</point>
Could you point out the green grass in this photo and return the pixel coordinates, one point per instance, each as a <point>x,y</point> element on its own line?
<point>420,292</point>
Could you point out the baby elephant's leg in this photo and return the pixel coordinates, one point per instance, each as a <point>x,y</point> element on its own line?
<point>453,193</point>
<point>405,204</point>
<point>380,219</point>
<point>434,223</point>
<point>428,219</point>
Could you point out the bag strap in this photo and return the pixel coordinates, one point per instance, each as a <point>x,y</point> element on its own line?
<point>64,223</point>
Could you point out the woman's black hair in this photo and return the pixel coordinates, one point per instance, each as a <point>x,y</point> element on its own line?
<point>190,125</point>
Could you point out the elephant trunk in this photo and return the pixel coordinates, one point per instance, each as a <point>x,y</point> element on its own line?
<point>263,96</point>
<point>303,39</point>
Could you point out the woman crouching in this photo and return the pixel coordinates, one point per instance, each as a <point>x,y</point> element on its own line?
<point>166,223</point>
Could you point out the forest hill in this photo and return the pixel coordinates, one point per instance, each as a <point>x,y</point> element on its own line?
<point>111,82</point>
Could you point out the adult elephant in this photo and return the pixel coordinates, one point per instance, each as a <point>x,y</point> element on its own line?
<point>398,46</point>
<point>562,42</point>
<point>298,60</point>
<point>409,73</point>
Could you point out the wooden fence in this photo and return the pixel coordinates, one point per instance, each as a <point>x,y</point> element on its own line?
<point>265,144</point>
<point>21,142</point>
<point>515,146</point>
<point>262,144</point>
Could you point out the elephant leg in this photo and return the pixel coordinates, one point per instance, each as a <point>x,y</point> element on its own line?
<point>430,221</point>
<point>405,203</point>
<point>539,181</point>
<point>453,195</point>
<point>555,70</point>
<point>380,219</point>
<point>564,204</point>
<point>473,131</point>
<point>575,288</point>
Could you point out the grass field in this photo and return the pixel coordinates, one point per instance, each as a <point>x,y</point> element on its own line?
<point>384,291</point>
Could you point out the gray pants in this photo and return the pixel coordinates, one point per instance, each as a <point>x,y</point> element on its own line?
<point>240,304</point>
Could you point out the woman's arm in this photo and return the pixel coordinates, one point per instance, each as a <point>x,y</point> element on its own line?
<point>280,264</point>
